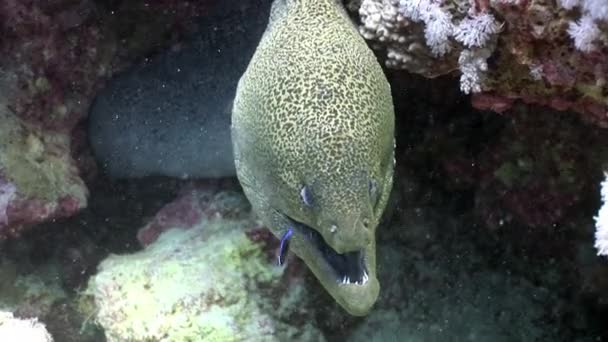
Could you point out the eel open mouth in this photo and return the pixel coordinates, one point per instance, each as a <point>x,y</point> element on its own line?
<point>348,268</point>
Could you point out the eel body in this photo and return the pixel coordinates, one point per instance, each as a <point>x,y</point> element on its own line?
<point>313,139</point>
<point>170,115</point>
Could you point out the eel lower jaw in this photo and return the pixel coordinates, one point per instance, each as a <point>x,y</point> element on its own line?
<point>350,278</point>
<point>347,269</point>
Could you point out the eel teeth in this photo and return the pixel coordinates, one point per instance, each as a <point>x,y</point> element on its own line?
<point>362,281</point>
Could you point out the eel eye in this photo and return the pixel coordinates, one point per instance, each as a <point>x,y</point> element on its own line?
<point>306,196</point>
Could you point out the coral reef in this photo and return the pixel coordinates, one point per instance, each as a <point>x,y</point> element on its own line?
<point>15,329</point>
<point>210,282</point>
<point>601,222</point>
<point>432,38</point>
<point>54,57</point>
<point>59,55</point>
<point>34,293</point>
<point>543,52</point>
<point>207,268</point>
<point>29,295</point>
<point>38,178</point>
<point>64,50</point>
<point>533,168</point>
<point>196,202</point>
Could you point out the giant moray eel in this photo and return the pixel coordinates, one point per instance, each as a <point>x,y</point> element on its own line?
<point>313,138</point>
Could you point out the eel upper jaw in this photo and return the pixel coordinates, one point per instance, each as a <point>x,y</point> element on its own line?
<point>349,277</point>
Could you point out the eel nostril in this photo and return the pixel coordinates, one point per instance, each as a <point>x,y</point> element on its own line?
<point>366,223</point>
<point>333,229</point>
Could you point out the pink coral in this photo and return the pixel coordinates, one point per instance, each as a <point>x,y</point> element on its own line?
<point>58,58</point>
<point>184,212</point>
<point>21,212</point>
<point>537,62</point>
<point>196,202</point>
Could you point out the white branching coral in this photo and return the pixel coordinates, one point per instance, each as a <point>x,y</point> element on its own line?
<point>414,9</point>
<point>597,9</point>
<point>601,221</point>
<point>584,32</point>
<point>438,30</point>
<point>476,30</point>
<point>569,4</point>
<point>437,21</point>
<point>15,329</point>
<point>427,36</point>
<point>536,71</point>
<point>473,67</point>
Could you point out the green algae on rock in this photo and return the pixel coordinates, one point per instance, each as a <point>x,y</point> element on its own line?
<point>313,137</point>
<point>39,179</point>
<point>201,284</point>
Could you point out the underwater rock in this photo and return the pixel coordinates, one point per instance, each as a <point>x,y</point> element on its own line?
<point>39,180</point>
<point>60,51</point>
<point>208,283</point>
<point>63,50</point>
<point>29,295</point>
<point>170,116</point>
<point>195,203</point>
<point>444,289</point>
<point>15,329</point>
<point>54,57</point>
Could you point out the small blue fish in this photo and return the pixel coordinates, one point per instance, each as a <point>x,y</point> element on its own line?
<point>284,248</point>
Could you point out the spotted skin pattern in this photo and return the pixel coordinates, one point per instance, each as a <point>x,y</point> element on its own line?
<point>314,110</point>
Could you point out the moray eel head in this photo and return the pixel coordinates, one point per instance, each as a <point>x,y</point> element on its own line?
<point>334,226</point>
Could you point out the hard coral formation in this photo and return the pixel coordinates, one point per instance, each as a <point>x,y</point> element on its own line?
<point>29,295</point>
<point>15,329</point>
<point>432,38</point>
<point>195,203</point>
<point>537,61</point>
<point>59,55</point>
<point>544,52</point>
<point>38,178</point>
<point>210,282</point>
<point>54,56</point>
